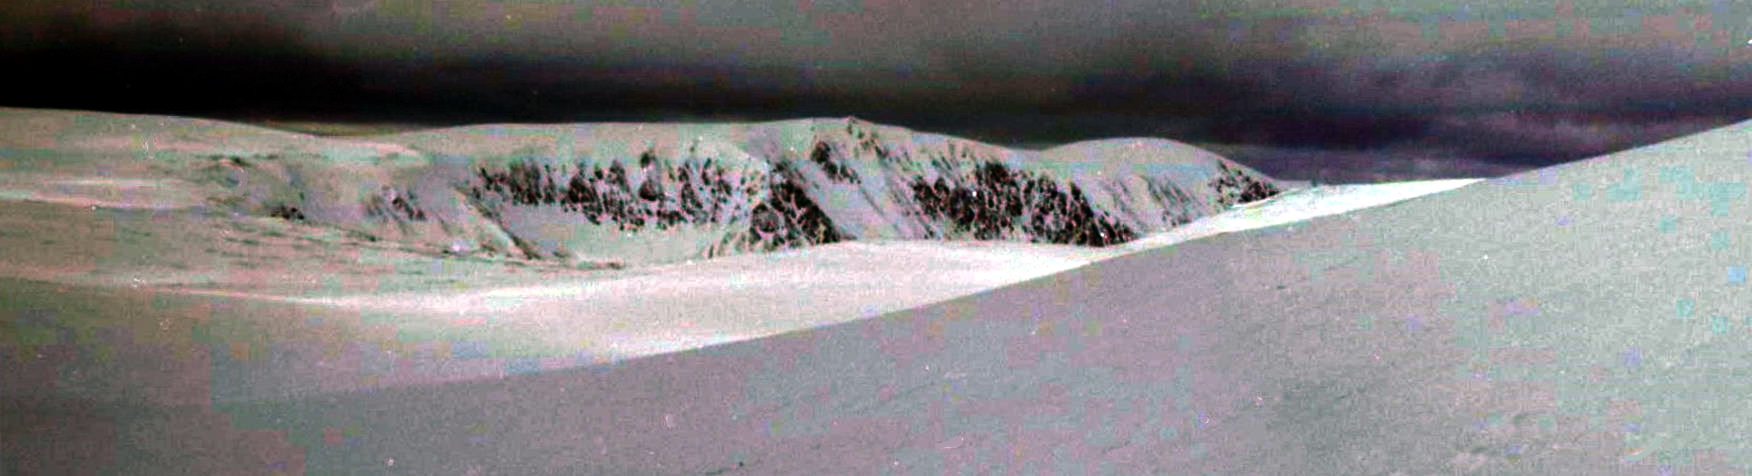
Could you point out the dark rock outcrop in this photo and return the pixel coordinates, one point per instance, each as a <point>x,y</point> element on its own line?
<point>994,202</point>
<point>646,193</point>
<point>1235,186</point>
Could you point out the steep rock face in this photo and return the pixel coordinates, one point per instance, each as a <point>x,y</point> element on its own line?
<point>770,209</point>
<point>993,201</point>
<point>1096,193</point>
<point>596,194</point>
<point>709,190</point>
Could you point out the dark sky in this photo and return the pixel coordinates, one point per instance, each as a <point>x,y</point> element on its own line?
<point>1345,90</point>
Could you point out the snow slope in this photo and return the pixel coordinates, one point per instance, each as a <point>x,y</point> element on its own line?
<point>611,195</point>
<point>1580,319</point>
<point>1296,206</point>
<point>655,193</point>
<point>248,332</point>
<point>678,307</point>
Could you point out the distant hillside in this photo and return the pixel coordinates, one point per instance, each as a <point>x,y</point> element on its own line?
<point>618,194</point>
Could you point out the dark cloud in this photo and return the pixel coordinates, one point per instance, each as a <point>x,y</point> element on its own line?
<point>1529,138</point>
<point>1362,166</point>
<point>1519,84</point>
<point>177,62</point>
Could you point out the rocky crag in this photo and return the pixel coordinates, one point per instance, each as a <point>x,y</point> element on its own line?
<point>625,194</point>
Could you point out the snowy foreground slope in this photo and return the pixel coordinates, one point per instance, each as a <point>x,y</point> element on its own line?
<point>684,306</point>
<point>1581,319</point>
<point>595,195</point>
<point>87,387</point>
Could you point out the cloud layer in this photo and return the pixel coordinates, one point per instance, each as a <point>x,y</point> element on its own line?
<point>1517,85</point>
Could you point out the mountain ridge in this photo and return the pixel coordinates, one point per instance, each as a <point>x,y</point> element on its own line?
<point>614,194</point>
